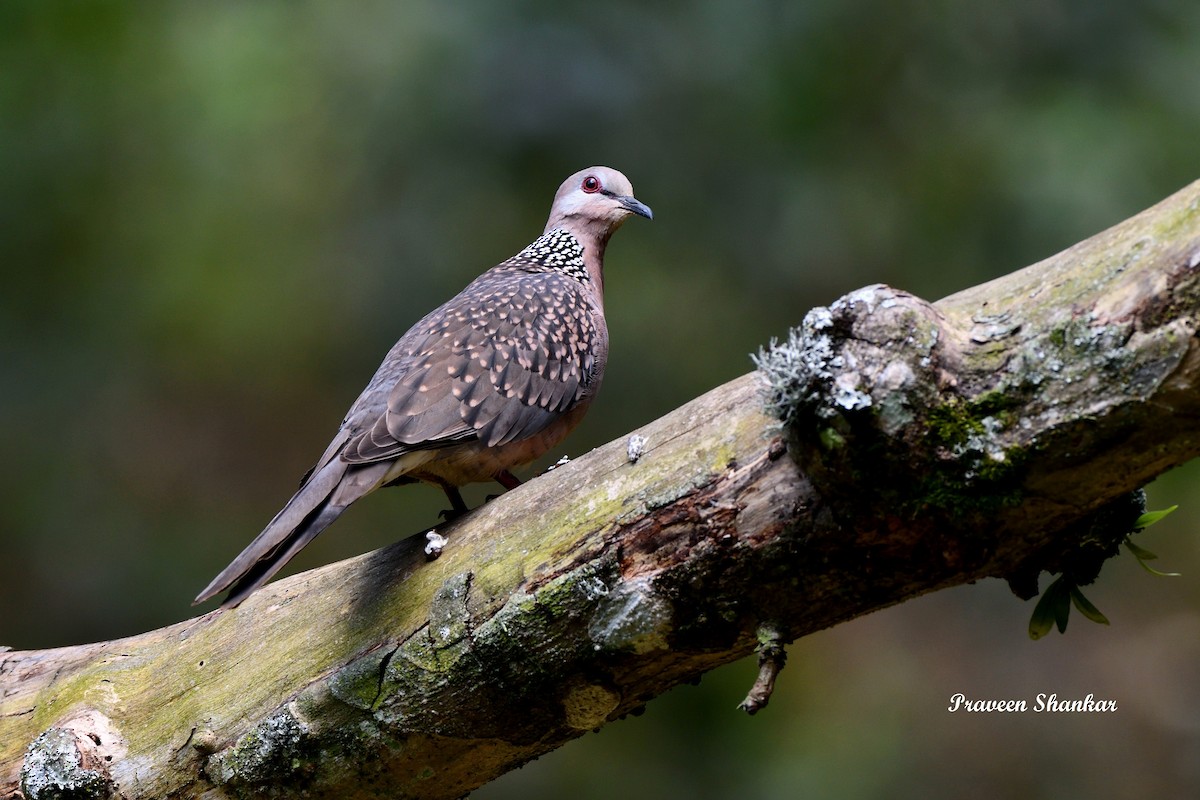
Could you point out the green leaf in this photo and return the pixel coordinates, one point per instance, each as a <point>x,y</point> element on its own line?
<point>1052,608</point>
<point>1062,605</point>
<point>1143,555</point>
<point>1086,608</point>
<point>1042,619</point>
<point>1151,517</point>
<point>1158,572</point>
<point>1140,553</point>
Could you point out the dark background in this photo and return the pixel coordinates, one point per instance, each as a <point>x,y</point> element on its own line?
<point>215,218</point>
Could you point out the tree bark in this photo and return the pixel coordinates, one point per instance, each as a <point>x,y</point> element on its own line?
<point>891,447</point>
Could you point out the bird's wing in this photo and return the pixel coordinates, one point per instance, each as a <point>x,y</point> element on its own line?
<point>498,363</point>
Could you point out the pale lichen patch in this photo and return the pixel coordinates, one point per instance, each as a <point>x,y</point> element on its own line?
<point>56,766</point>
<point>633,617</point>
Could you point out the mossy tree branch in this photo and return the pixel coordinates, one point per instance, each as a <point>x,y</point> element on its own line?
<point>999,432</point>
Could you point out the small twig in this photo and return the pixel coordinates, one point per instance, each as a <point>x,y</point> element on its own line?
<point>771,658</point>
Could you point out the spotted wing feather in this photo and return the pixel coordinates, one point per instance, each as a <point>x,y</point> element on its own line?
<point>498,363</point>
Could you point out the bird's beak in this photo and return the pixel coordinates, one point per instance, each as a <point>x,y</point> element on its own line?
<point>634,205</point>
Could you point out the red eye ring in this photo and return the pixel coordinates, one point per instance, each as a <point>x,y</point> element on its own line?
<point>591,184</point>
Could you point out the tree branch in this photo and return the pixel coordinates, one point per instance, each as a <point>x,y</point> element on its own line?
<point>999,432</point>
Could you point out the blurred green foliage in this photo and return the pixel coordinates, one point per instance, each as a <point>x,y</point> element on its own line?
<point>216,217</point>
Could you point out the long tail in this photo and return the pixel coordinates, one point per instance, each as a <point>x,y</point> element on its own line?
<point>311,510</point>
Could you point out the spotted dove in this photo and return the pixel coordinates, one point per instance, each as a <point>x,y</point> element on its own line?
<point>487,382</point>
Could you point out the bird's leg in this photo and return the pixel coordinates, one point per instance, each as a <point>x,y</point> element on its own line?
<point>458,507</point>
<point>507,479</point>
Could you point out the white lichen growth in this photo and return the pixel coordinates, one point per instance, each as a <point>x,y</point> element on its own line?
<point>635,447</point>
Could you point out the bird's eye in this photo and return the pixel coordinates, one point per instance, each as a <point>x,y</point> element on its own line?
<point>591,184</point>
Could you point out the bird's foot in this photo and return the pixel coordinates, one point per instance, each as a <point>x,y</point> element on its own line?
<point>457,506</point>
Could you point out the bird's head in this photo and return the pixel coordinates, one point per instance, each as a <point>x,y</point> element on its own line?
<point>593,203</point>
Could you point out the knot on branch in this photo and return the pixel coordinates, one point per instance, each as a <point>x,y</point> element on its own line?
<point>868,394</point>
